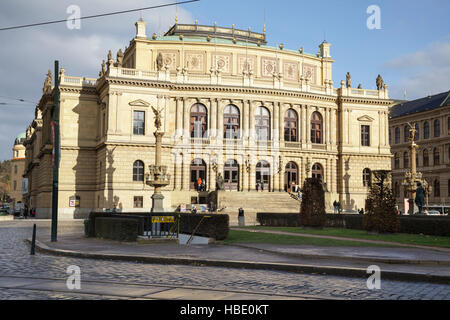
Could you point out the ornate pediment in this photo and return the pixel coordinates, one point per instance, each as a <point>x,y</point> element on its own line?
<point>139,103</point>
<point>365,119</point>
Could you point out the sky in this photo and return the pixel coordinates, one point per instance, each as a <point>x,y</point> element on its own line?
<point>410,49</point>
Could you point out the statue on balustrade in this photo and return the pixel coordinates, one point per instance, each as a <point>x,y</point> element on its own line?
<point>380,82</point>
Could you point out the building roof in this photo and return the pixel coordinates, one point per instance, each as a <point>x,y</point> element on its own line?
<point>421,105</point>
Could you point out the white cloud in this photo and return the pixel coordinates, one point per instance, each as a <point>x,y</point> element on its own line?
<point>423,72</point>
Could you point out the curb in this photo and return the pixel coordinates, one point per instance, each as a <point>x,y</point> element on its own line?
<point>347,258</point>
<point>295,268</point>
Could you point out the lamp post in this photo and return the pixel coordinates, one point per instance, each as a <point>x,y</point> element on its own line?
<point>158,177</point>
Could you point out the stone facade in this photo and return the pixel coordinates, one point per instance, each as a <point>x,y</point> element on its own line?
<point>17,169</point>
<point>431,116</point>
<point>107,124</point>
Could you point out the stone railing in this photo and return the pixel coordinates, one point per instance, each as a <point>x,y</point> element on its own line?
<point>78,81</point>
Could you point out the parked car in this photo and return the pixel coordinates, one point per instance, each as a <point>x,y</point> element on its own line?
<point>433,213</point>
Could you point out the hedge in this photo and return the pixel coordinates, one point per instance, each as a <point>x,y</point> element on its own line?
<point>437,226</point>
<point>213,226</point>
<point>117,228</point>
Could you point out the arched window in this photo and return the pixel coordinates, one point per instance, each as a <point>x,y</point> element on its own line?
<point>290,176</point>
<point>231,122</point>
<point>263,174</point>
<point>262,124</point>
<point>426,158</point>
<point>436,157</point>
<point>437,188</point>
<point>406,159</point>
<point>437,128</point>
<point>316,128</point>
<point>231,175</point>
<point>417,135</point>
<point>396,161</point>
<point>317,171</point>
<point>367,177</point>
<point>426,130</point>
<point>138,171</point>
<point>396,190</point>
<point>198,120</point>
<point>405,133</point>
<point>397,135</point>
<point>290,126</point>
<point>198,170</point>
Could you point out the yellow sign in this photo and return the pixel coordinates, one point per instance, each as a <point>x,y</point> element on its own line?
<point>166,219</point>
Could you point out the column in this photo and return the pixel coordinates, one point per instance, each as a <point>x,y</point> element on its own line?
<point>179,117</point>
<point>166,103</point>
<point>275,128</point>
<point>213,117</point>
<point>333,134</point>
<point>244,119</point>
<point>219,121</point>
<point>303,124</point>
<point>329,126</point>
<point>251,124</point>
<point>326,127</point>
<point>281,125</point>
<point>186,115</point>
<point>308,125</point>
<point>186,173</point>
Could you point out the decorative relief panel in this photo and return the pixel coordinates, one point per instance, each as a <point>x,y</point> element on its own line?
<point>222,61</point>
<point>309,72</point>
<point>290,71</point>
<point>269,66</point>
<point>195,61</point>
<point>242,64</point>
<point>170,59</point>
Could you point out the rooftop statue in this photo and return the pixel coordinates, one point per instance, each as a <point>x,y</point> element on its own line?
<point>380,83</point>
<point>119,58</point>
<point>348,80</point>
<point>48,83</point>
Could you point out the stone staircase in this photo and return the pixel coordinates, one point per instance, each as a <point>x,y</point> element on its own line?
<point>254,202</point>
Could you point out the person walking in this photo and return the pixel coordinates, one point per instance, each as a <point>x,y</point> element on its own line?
<point>257,186</point>
<point>262,186</point>
<point>339,206</point>
<point>335,206</point>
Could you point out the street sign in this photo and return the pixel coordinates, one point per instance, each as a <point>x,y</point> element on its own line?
<point>165,219</point>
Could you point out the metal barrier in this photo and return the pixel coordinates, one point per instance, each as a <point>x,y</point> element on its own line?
<point>162,226</point>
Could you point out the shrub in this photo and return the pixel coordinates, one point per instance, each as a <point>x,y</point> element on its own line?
<point>437,226</point>
<point>119,229</point>
<point>312,212</point>
<point>215,226</point>
<point>381,214</point>
<point>277,219</point>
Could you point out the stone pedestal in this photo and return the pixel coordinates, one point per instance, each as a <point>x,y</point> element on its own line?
<point>157,203</point>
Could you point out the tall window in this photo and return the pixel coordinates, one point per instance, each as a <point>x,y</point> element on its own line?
<point>231,122</point>
<point>139,123</point>
<point>199,121</point>
<point>437,188</point>
<point>316,128</point>
<point>366,177</point>
<point>396,161</point>
<point>405,160</point>
<point>426,158</point>
<point>437,128</point>
<point>390,136</point>
<point>436,157</point>
<point>262,124</point>
<point>365,136</point>
<point>405,133</point>
<point>448,125</point>
<point>138,171</point>
<point>426,130</point>
<point>317,171</point>
<point>417,135</point>
<point>397,135</point>
<point>290,126</point>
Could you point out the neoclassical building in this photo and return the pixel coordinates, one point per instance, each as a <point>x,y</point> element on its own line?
<point>230,104</point>
<point>431,118</point>
<point>17,169</point>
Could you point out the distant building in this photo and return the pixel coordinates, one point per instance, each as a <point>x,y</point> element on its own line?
<point>431,117</point>
<point>233,110</point>
<point>17,169</point>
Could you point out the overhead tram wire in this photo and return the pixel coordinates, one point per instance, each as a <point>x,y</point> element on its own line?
<point>99,15</point>
<point>24,101</point>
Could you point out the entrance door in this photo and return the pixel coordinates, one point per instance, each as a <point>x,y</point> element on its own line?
<point>290,177</point>
<point>198,170</point>
<point>263,174</point>
<point>231,175</point>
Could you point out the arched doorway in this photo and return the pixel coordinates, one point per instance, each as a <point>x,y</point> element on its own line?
<point>263,174</point>
<point>290,177</point>
<point>231,175</point>
<point>317,171</point>
<point>198,170</point>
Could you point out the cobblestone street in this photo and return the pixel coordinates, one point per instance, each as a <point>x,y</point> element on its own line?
<point>15,261</point>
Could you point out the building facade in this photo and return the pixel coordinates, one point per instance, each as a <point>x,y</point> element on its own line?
<point>231,106</point>
<point>17,169</point>
<point>431,118</point>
